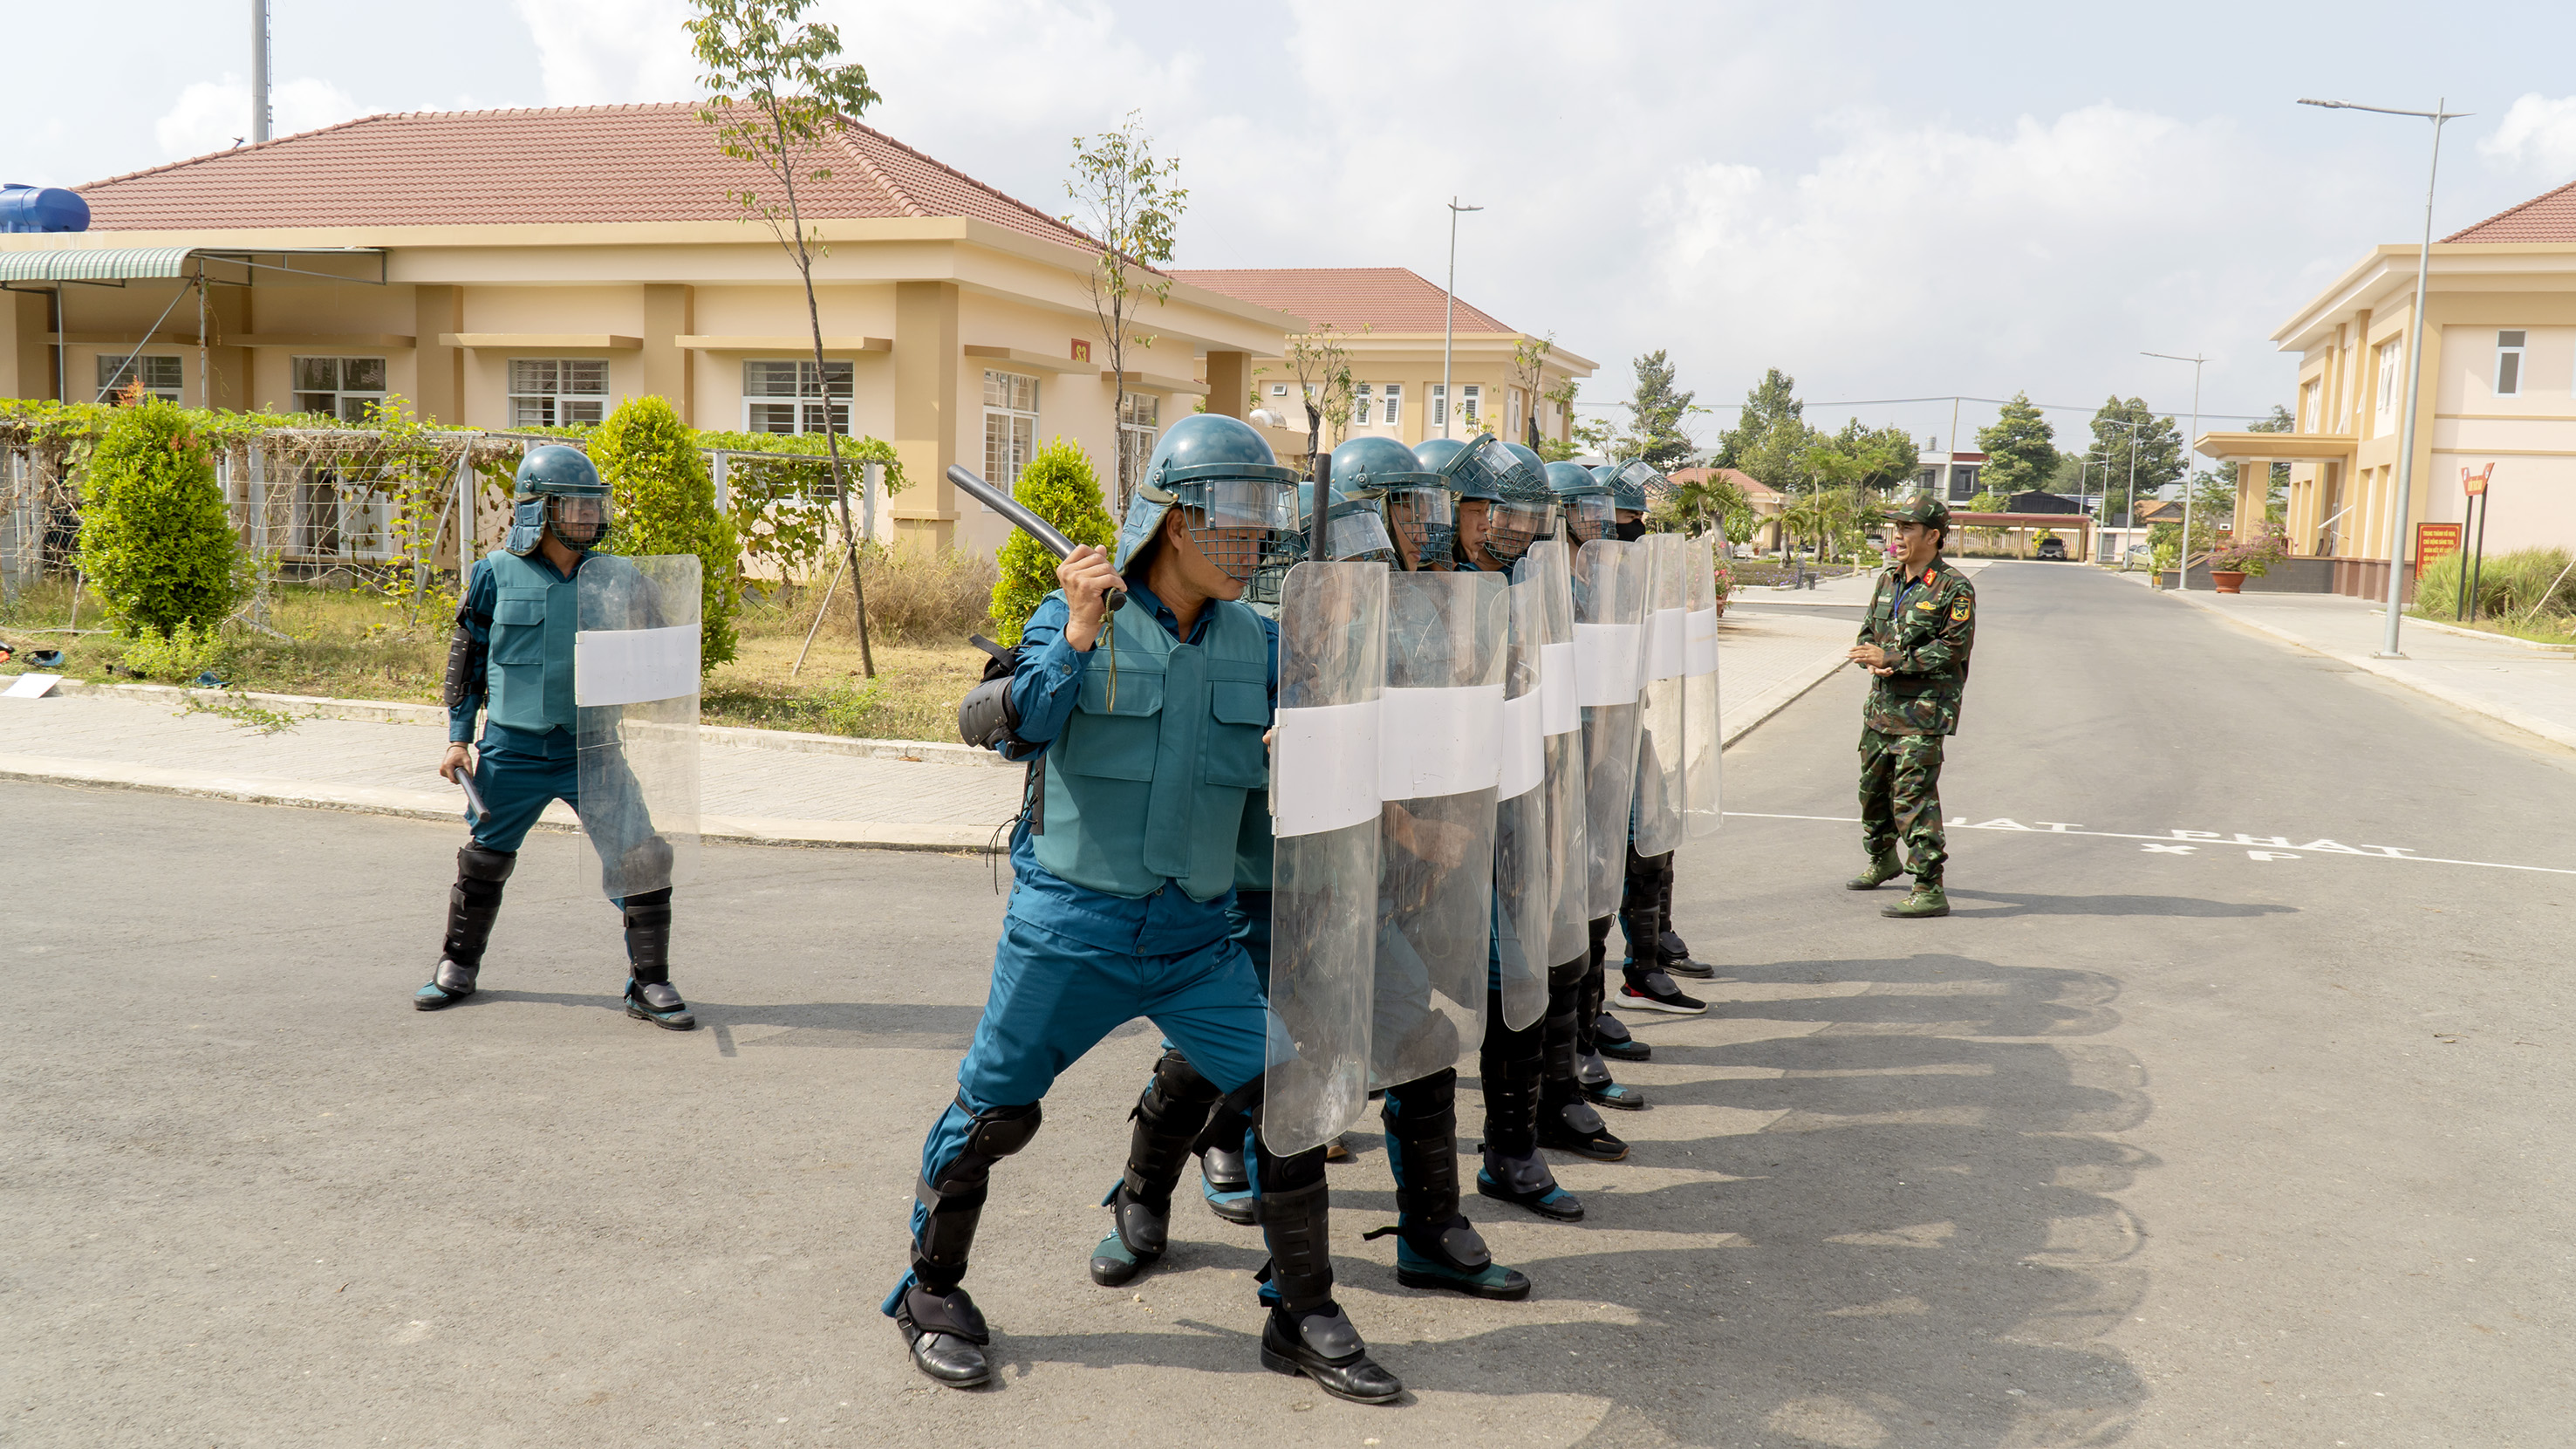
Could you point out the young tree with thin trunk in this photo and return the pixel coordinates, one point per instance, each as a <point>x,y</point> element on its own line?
<point>777,97</point>
<point>1128,202</point>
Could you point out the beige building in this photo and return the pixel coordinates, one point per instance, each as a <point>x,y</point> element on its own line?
<point>1389,321</point>
<point>507,268</point>
<point>2498,388</point>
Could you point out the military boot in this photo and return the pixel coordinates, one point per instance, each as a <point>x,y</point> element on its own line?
<point>1436,1246</point>
<point>1225,1179</point>
<point>1883,867</point>
<point>1670,950</point>
<point>1169,1116</point>
<point>1611,1038</point>
<point>473,904</point>
<point>1306,1332</point>
<point>1926,899</point>
<point>650,996</point>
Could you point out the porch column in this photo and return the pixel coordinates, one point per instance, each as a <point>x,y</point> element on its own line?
<point>437,312</point>
<point>1229,380</point>
<point>927,361</point>
<point>2253,488</point>
<point>669,311</point>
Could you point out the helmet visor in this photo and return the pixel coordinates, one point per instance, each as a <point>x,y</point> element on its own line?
<point>579,520</point>
<point>1425,519</point>
<point>1511,527</point>
<point>1638,474</point>
<point>1359,534</point>
<point>1236,522</point>
<point>1486,467</point>
<point>1589,517</point>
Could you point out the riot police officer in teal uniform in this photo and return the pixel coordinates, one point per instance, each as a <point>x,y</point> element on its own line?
<point>1143,727</point>
<point>512,661</point>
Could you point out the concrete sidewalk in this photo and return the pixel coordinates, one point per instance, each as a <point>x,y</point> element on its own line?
<point>759,786</point>
<point>2529,686</point>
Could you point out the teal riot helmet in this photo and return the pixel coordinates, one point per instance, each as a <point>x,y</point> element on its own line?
<point>1417,515</point>
<point>1231,489</point>
<point>1585,498</point>
<point>1526,511</point>
<point>1629,483</point>
<point>557,488</point>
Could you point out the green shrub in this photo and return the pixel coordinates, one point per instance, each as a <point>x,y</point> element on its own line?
<point>1060,487</point>
<point>178,657</point>
<point>155,541</point>
<point>2517,584</point>
<point>666,504</point>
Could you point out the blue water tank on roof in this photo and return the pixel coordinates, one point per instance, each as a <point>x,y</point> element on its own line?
<point>42,208</point>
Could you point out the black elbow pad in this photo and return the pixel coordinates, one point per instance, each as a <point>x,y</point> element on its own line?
<point>464,668</point>
<point>986,717</point>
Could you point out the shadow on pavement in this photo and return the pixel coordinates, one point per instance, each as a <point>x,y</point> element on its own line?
<point>2031,905</point>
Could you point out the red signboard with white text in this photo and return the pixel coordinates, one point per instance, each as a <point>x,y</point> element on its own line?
<point>2435,541</point>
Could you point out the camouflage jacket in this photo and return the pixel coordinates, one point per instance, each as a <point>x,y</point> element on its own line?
<point>1928,645</point>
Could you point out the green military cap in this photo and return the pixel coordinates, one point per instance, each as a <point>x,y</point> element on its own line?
<point>1921,508</point>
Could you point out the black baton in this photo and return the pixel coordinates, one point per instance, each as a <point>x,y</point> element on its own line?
<point>473,797</point>
<point>1112,599</point>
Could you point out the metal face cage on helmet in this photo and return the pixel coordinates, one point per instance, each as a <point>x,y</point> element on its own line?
<point>1526,512</point>
<point>1235,498</point>
<point>557,488</point>
<point>1589,510</point>
<point>1629,483</point>
<point>1416,502</point>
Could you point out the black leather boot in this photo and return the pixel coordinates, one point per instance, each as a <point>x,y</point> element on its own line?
<point>1567,1122</point>
<point>1225,1179</point>
<point>941,1326</point>
<point>1307,1332</point>
<point>1671,953</point>
<point>1436,1246</point>
<point>1513,1172</point>
<point>473,904</point>
<point>650,996</point>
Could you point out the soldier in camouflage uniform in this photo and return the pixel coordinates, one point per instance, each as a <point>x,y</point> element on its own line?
<point>1915,641</point>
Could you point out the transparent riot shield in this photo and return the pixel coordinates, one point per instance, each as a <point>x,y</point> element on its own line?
<point>1663,634</point>
<point>1703,752</point>
<point>1439,767</point>
<point>635,688</point>
<point>1324,826</point>
<point>1609,607</point>
<point>1524,900</point>
<point>1548,568</point>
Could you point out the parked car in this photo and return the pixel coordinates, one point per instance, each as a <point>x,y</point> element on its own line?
<point>2053,549</point>
<point>2138,556</point>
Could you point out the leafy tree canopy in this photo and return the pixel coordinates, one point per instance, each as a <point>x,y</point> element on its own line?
<point>2020,449</point>
<point>1655,414</point>
<point>1771,439</point>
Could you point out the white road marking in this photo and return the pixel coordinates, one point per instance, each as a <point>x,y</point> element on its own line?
<point>2269,855</point>
<point>2319,846</point>
<point>2169,849</point>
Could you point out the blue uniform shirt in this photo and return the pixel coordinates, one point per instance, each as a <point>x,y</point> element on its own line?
<point>1044,690</point>
<point>474,621</point>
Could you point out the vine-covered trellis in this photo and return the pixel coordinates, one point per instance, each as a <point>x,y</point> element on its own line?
<point>391,503</point>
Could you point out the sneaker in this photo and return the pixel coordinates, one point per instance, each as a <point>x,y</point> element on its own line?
<point>1655,991</point>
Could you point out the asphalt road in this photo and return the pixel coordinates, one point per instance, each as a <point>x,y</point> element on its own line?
<point>2166,1137</point>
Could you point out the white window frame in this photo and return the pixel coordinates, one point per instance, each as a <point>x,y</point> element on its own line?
<point>809,401</point>
<point>2391,354</point>
<point>1137,435</point>
<point>1391,403</point>
<point>2509,360</point>
<point>1018,438</point>
<point>1363,403</point>
<point>1513,431</point>
<point>1471,402</point>
<point>1278,389</point>
<point>115,370</point>
<point>560,404</point>
<point>342,397</point>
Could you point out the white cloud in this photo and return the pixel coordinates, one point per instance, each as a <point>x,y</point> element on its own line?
<point>210,115</point>
<point>2538,133</point>
<point>602,52</point>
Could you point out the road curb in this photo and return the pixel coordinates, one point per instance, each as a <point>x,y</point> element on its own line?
<point>2549,730</point>
<point>1735,724</point>
<point>439,805</point>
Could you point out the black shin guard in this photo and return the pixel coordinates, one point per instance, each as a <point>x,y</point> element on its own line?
<point>1669,946</point>
<point>1296,1223</point>
<point>474,903</point>
<point>1169,1116</point>
<point>1422,1140</point>
<point>1509,1063</point>
<point>1594,990</point>
<point>1641,915</point>
<point>648,937</point>
<point>955,1199</point>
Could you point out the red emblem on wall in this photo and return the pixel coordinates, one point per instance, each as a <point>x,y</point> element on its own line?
<point>1081,350</point>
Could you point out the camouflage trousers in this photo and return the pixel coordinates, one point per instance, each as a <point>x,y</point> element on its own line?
<point>1900,800</point>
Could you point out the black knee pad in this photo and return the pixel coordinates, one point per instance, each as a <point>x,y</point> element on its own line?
<point>480,872</point>
<point>649,909</point>
<point>996,1134</point>
<point>1287,1174</point>
<point>1175,1080</point>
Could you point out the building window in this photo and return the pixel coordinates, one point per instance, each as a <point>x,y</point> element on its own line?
<point>1440,405</point>
<point>785,397</point>
<point>2508,377</point>
<point>1011,426</point>
<point>347,388</point>
<point>1391,403</point>
<point>1513,429</point>
<point>2388,355</point>
<point>550,392</point>
<point>160,376</point>
<point>1140,423</point>
<point>1470,396</point>
<point>1963,483</point>
<point>1278,389</point>
<point>1361,404</point>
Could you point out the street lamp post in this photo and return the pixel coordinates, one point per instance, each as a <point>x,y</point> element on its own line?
<point>1448,315</point>
<point>2414,363</point>
<point>2182,555</point>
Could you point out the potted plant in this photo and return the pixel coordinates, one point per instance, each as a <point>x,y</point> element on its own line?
<point>2231,564</point>
<point>1725,585</point>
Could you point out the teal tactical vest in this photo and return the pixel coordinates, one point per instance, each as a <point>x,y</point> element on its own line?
<point>1255,849</point>
<point>1150,787</point>
<point>534,615</point>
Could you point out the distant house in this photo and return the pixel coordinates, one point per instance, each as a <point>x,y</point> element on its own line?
<point>1950,476</point>
<point>2036,502</point>
<point>1767,502</point>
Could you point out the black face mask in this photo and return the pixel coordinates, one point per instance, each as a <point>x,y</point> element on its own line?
<point>1630,532</point>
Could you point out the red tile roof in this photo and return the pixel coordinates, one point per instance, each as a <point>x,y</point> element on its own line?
<point>1386,299</point>
<point>567,164</point>
<point>1755,490</point>
<point>2550,217</point>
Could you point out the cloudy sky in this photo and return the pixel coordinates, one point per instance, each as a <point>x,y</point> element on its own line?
<point>1887,201</point>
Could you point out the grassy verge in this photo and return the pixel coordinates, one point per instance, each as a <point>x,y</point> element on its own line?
<point>341,644</point>
<point>2547,629</point>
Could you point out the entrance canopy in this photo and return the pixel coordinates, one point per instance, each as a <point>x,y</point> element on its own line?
<point>115,266</point>
<point>2025,527</point>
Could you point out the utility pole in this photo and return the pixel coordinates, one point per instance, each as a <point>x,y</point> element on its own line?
<point>2414,362</point>
<point>1448,316</point>
<point>2182,555</point>
<point>258,71</point>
